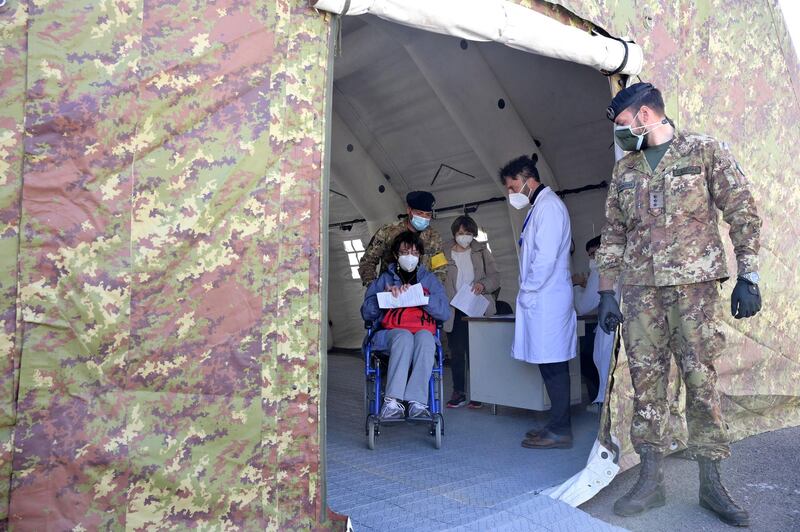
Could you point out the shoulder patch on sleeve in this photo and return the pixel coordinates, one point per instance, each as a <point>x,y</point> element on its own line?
<point>438,261</point>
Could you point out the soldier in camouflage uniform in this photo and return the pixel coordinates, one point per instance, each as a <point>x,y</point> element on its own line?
<point>420,210</point>
<point>661,237</point>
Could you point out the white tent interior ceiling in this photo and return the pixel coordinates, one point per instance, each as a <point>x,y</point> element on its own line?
<point>406,102</point>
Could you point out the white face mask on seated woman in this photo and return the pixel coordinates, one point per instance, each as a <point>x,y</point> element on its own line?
<point>408,262</point>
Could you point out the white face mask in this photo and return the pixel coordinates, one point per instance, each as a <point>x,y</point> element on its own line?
<point>408,262</point>
<point>592,264</point>
<point>464,240</point>
<point>518,200</point>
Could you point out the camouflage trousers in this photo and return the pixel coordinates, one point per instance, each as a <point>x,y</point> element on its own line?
<point>679,321</point>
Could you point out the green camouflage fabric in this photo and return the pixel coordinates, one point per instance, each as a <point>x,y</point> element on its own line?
<point>13,23</point>
<point>728,68</point>
<point>160,274</point>
<point>678,321</point>
<point>661,225</point>
<point>170,278</point>
<point>379,251</point>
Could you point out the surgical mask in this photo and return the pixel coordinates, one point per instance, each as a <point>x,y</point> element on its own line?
<point>627,140</point>
<point>420,223</point>
<point>464,240</point>
<point>592,264</point>
<point>518,200</point>
<point>408,262</point>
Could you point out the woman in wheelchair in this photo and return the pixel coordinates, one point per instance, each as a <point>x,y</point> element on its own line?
<point>406,334</point>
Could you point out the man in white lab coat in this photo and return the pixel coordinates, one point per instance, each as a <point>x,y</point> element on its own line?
<point>544,331</point>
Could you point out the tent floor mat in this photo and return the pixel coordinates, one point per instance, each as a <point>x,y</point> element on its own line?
<point>481,478</point>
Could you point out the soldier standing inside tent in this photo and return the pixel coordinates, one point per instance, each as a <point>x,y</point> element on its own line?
<point>419,210</point>
<point>661,237</point>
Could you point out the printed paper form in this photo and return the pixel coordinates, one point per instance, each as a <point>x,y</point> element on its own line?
<point>470,304</point>
<point>413,297</point>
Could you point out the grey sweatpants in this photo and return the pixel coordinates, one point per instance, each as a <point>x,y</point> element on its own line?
<point>410,350</point>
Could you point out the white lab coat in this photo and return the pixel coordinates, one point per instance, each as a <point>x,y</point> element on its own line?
<point>544,329</point>
<point>586,301</point>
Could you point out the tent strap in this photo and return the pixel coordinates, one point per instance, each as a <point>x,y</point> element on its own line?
<point>604,33</point>
<point>345,9</point>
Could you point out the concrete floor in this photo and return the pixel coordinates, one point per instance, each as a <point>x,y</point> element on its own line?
<point>481,478</point>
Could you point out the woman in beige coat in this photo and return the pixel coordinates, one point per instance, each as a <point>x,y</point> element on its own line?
<point>469,263</point>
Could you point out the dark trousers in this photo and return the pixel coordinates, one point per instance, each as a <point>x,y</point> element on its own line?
<point>588,367</point>
<point>458,341</point>
<point>556,381</point>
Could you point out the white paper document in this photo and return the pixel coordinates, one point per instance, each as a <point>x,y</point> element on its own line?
<point>413,297</point>
<point>470,304</point>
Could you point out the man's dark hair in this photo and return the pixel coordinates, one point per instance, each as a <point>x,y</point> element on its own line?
<point>407,237</point>
<point>651,99</point>
<point>466,222</point>
<point>522,166</point>
<point>593,243</point>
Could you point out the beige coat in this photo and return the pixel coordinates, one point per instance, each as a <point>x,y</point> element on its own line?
<point>485,273</point>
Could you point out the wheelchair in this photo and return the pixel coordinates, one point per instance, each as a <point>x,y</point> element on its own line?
<point>375,370</point>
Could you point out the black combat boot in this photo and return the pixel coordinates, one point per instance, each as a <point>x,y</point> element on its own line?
<point>648,492</point>
<point>714,496</point>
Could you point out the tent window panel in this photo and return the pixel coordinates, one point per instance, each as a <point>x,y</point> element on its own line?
<point>358,245</point>
<point>354,272</point>
<point>351,257</point>
<point>348,246</point>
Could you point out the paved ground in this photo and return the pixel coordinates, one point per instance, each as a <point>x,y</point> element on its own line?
<point>763,474</point>
<point>482,479</point>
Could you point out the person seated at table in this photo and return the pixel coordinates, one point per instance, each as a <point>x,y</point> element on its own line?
<point>407,334</point>
<point>586,301</point>
<point>469,263</point>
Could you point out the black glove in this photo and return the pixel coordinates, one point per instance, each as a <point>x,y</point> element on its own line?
<point>745,299</point>
<point>608,314</point>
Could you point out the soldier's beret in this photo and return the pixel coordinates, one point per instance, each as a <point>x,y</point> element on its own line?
<point>420,200</point>
<point>627,97</point>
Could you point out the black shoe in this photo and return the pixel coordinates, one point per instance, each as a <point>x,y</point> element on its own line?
<point>534,433</point>
<point>548,440</point>
<point>648,492</point>
<point>457,400</point>
<point>714,496</point>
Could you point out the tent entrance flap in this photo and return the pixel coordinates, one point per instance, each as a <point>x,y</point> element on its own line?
<point>503,22</point>
<point>418,110</point>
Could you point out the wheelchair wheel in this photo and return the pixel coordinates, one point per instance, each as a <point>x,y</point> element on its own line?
<point>437,431</point>
<point>372,430</point>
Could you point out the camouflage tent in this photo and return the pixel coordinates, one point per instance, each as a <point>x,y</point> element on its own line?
<point>161,275</point>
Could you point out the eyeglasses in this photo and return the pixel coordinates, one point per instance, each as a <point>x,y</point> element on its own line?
<point>409,252</point>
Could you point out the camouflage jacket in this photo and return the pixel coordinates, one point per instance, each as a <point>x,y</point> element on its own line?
<point>661,226</point>
<point>379,251</point>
